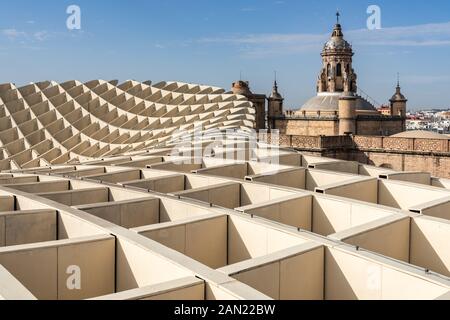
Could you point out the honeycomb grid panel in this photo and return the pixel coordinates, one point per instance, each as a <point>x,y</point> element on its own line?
<point>98,200</point>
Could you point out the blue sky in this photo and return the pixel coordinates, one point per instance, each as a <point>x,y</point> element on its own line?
<point>212,41</point>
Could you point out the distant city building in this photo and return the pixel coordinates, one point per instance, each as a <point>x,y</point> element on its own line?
<point>385,110</point>
<point>434,120</point>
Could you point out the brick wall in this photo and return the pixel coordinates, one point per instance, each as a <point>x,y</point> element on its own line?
<point>307,127</point>
<point>402,154</point>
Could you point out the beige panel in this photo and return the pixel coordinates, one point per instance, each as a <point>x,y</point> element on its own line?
<point>316,178</point>
<point>92,196</point>
<point>254,194</point>
<point>363,191</point>
<point>2,232</point>
<point>297,213</point>
<point>245,240</point>
<point>41,187</point>
<point>265,279</point>
<point>200,195</point>
<point>227,197</point>
<point>391,240</point>
<point>138,267</point>
<point>108,213</point>
<point>348,277</point>
<point>7,203</point>
<point>70,227</point>
<point>238,171</point>
<point>430,244</point>
<point>27,264</point>
<point>169,184</point>
<point>140,213</point>
<point>330,216</point>
<point>206,242</point>
<point>30,228</point>
<point>171,210</point>
<point>340,166</point>
<point>270,212</point>
<point>404,196</point>
<point>95,260</point>
<point>401,286</point>
<point>439,211</point>
<point>414,177</point>
<point>294,178</point>
<point>276,193</point>
<point>366,213</point>
<point>63,198</point>
<point>302,276</point>
<point>278,240</point>
<point>11,288</point>
<point>172,237</point>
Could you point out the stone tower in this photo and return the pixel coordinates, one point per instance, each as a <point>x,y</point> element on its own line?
<point>242,88</point>
<point>337,74</point>
<point>398,105</point>
<point>259,101</point>
<point>398,102</point>
<point>275,105</point>
<point>347,114</point>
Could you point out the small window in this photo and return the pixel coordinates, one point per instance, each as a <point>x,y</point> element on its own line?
<point>339,70</point>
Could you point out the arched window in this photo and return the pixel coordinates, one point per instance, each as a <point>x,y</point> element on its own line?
<point>347,68</point>
<point>338,70</point>
<point>329,70</point>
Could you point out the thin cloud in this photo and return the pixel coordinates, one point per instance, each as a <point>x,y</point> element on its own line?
<point>425,35</point>
<point>13,34</point>
<point>41,35</point>
<point>34,39</point>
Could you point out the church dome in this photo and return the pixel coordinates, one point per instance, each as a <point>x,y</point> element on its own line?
<point>337,44</point>
<point>330,102</point>
<point>337,41</point>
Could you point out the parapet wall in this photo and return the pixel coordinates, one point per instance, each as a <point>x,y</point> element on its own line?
<point>402,144</point>
<point>403,154</point>
<point>364,143</point>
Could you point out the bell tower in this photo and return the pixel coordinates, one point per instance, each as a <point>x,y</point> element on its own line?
<point>275,105</point>
<point>398,104</point>
<point>259,101</point>
<point>337,74</point>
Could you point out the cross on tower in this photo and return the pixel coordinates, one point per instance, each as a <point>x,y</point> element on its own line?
<point>337,16</point>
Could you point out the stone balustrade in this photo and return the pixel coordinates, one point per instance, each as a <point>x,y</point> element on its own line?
<point>360,142</point>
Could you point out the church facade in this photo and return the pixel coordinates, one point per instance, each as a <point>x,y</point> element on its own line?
<point>339,108</point>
